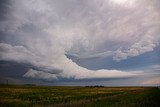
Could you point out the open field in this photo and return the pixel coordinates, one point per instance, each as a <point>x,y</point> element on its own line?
<point>58,96</point>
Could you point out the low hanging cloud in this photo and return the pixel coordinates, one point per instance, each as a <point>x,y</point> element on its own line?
<point>50,71</point>
<point>41,33</point>
<point>40,75</point>
<point>155,81</point>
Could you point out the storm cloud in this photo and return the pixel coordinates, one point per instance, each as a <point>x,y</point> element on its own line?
<point>42,33</point>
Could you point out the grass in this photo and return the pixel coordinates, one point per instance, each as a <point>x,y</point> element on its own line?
<point>59,96</point>
<point>147,98</point>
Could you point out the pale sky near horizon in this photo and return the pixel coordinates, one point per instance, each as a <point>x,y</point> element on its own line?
<point>80,42</point>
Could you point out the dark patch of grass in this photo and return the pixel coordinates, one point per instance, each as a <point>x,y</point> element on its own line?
<point>149,97</point>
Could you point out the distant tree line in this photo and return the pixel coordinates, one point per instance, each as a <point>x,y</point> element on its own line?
<point>95,86</point>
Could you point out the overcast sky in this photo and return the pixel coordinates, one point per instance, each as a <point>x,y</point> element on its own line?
<point>80,42</point>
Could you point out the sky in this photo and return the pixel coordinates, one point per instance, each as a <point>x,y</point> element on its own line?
<point>80,42</point>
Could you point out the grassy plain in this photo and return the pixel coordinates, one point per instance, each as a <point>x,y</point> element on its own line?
<point>61,96</point>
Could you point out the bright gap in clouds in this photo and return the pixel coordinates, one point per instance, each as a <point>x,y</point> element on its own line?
<point>127,3</point>
<point>120,1</point>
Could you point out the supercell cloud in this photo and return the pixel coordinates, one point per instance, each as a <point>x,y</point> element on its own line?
<point>41,33</point>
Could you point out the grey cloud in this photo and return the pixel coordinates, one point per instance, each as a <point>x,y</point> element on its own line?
<point>40,75</point>
<point>47,30</point>
<point>22,55</point>
<point>4,5</point>
<point>15,53</point>
<point>69,68</point>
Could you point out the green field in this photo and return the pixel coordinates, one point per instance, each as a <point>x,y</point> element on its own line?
<point>61,96</point>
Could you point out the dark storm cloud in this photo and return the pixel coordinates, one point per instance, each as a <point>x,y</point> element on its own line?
<point>4,9</point>
<point>42,34</point>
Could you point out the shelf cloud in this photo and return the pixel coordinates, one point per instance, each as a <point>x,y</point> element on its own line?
<point>41,33</point>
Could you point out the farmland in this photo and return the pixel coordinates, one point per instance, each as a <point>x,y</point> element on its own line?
<point>72,96</point>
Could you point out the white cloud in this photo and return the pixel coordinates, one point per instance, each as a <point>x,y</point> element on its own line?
<point>46,30</point>
<point>126,3</point>
<point>145,45</point>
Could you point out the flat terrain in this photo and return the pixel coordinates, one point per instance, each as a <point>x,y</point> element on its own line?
<point>58,96</point>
